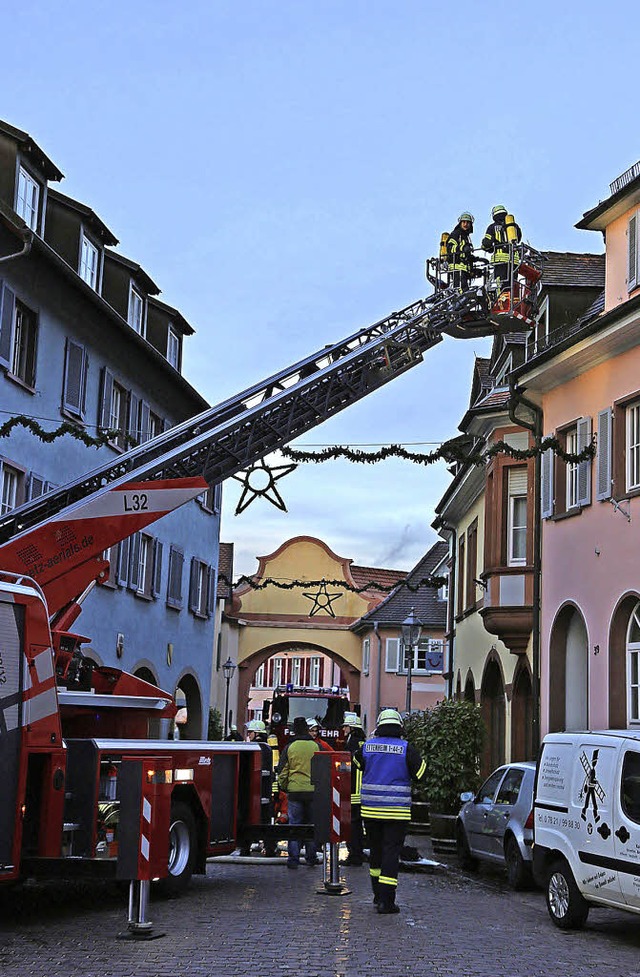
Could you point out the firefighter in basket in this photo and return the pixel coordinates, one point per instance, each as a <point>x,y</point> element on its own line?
<point>500,240</point>
<point>460,252</point>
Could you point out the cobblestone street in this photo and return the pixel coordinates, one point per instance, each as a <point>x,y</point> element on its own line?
<point>264,920</point>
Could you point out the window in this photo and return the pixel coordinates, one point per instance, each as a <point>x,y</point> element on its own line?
<point>295,672</point>
<point>536,341</point>
<point>114,409</point>
<point>201,589</point>
<point>427,657</point>
<point>277,672</point>
<point>135,314</point>
<point>111,554</point>
<point>23,353</point>
<point>632,440</point>
<point>510,787</point>
<point>11,488</point>
<point>460,594</point>
<point>517,517</point>
<point>566,486</point>
<point>156,425</point>
<point>392,655</point>
<point>28,199</point>
<point>89,255</point>
<point>366,655</point>
<point>571,477</point>
<point>633,667</point>
<point>503,373</point>
<point>314,675</point>
<point>174,580</point>
<point>472,565</point>
<point>486,793</point>
<point>633,230</point>
<point>173,348</point>
<point>145,565</point>
<point>74,386</point>
<point>630,785</point>
<point>208,499</point>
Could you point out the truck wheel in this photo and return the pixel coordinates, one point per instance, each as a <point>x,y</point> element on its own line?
<point>518,873</point>
<point>567,907</point>
<point>466,859</point>
<point>183,840</point>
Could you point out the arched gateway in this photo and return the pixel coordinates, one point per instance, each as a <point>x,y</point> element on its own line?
<point>282,618</point>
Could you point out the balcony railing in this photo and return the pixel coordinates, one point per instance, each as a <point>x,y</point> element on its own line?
<point>625,178</point>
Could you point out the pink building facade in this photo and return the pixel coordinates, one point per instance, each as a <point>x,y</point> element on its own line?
<point>586,383</point>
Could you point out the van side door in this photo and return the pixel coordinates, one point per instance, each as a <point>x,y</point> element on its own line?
<point>626,826</point>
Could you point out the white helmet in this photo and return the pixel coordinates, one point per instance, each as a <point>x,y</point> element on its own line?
<point>313,723</point>
<point>389,717</point>
<point>352,719</point>
<point>256,726</point>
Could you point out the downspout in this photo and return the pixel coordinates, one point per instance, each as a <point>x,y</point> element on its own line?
<point>379,675</point>
<point>516,398</point>
<point>451,618</point>
<point>26,248</point>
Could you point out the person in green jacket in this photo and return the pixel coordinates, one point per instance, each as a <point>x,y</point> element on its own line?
<point>294,777</point>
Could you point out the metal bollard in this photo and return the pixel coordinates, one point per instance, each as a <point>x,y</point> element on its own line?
<point>332,884</point>
<point>138,926</point>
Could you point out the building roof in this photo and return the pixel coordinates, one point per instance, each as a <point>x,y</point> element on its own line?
<point>225,569</point>
<point>595,309</point>
<point>429,608</point>
<point>90,216</point>
<point>386,578</point>
<point>177,318</point>
<point>624,193</point>
<point>567,268</point>
<point>30,147</point>
<point>146,281</point>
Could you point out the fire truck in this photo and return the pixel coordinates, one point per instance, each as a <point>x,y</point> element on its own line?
<point>89,785</point>
<point>328,706</point>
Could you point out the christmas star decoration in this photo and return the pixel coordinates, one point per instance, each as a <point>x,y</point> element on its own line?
<point>322,600</point>
<point>260,482</point>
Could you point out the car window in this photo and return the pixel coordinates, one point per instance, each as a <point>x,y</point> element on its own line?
<point>489,787</point>
<point>510,787</point>
<point>630,785</point>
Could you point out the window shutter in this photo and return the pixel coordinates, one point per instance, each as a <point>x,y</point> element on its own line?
<point>134,561</point>
<point>36,486</point>
<point>122,573</point>
<point>632,251</point>
<point>193,586</point>
<point>75,378</point>
<point>584,468</point>
<point>603,474</point>
<point>546,487</point>
<point>145,419</point>
<point>157,568</point>
<point>211,590</point>
<point>517,481</point>
<point>7,305</point>
<point>105,399</point>
<point>392,655</point>
<point>174,583</point>
<point>133,418</point>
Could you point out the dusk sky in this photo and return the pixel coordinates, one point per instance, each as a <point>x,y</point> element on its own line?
<point>282,170</point>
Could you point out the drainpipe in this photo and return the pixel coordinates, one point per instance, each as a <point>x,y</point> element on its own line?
<point>517,398</point>
<point>451,617</point>
<point>379,675</point>
<point>26,248</point>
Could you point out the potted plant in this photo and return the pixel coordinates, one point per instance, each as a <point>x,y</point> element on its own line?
<point>450,738</point>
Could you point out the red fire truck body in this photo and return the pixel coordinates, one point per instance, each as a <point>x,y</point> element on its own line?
<point>327,706</point>
<point>89,786</point>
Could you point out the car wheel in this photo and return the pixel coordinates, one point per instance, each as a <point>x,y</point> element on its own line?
<point>518,872</point>
<point>183,840</point>
<point>567,907</point>
<point>463,851</point>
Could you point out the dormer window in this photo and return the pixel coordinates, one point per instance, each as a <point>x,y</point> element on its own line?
<point>28,199</point>
<point>135,316</point>
<point>173,348</point>
<point>89,256</point>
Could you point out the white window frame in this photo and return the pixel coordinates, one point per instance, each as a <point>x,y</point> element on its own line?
<point>10,486</point>
<point>28,198</point>
<point>296,671</point>
<point>633,669</point>
<point>277,672</point>
<point>572,492</point>
<point>366,656</point>
<point>144,560</point>
<point>89,262</point>
<point>501,378</point>
<point>23,343</point>
<point>515,504</point>
<point>392,661</point>
<point>258,681</point>
<point>632,446</point>
<point>173,348</point>
<point>314,672</point>
<point>135,311</point>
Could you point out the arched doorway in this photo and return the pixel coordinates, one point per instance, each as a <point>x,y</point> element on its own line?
<point>492,705</point>
<point>146,675</point>
<point>568,672</point>
<point>470,689</point>
<point>623,661</point>
<point>522,715</point>
<point>189,701</point>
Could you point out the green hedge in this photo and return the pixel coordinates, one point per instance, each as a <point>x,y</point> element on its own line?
<point>450,738</point>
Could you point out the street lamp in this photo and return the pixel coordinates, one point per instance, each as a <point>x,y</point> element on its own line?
<point>228,669</point>
<point>411,631</point>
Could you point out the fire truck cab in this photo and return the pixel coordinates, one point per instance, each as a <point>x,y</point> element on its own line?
<point>327,705</point>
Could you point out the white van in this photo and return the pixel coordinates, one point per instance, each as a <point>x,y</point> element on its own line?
<point>587,823</point>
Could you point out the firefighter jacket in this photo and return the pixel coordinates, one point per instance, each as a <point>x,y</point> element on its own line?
<point>496,243</point>
<point>294,769</point>
<point>388,765</point>
<point>354,741</point>
<point>460,251</point>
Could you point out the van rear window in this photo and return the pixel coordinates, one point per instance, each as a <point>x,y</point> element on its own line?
<point>630,785</point>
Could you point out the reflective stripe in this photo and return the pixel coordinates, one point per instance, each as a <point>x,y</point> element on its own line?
<point>374,873</point>
<point>386,814</point>
<point>389,788</point>
<point>421,770</point>
<point>388,880</point>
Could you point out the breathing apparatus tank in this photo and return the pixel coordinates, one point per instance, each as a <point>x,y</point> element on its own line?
<point>444,237</point>
<point>512,231</point>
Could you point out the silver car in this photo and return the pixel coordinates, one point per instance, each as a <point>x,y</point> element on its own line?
<point>497,824</point>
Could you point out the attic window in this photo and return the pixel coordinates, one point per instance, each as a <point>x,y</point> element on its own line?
<point>173,348</point>
<point>28,199</point>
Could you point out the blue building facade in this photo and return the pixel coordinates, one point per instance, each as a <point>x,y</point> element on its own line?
<point>85,339</point>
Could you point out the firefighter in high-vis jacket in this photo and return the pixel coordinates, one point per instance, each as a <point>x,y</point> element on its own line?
<point>501,233</point>
<point>389,764</point>
<point>460,252</point>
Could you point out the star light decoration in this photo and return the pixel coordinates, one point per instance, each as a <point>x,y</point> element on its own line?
<point>322,600</point>
<point>260,482</point>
